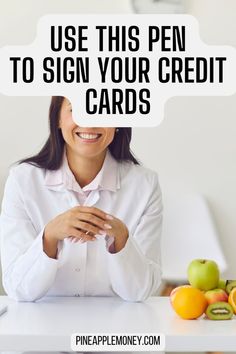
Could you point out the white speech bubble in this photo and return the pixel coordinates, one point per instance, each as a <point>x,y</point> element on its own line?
<point>144,60</point>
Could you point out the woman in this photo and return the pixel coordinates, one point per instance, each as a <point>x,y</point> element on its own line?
<point>81,218</point>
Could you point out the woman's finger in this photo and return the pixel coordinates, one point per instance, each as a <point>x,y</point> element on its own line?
<point>88,237</point>
<point>91,210</point>
<point>94,220</point>
<point>80,234</point>
<point>90,228</point>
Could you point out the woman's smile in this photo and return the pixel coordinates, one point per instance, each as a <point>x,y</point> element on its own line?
<point>85,142</point>
<point>88,137</point>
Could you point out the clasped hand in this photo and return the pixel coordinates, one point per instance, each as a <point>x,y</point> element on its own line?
<point>83,223</point>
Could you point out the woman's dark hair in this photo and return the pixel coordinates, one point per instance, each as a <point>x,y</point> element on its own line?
<point>50,156</point>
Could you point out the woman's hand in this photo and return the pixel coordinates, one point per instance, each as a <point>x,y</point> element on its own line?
<point>119,231</point>
<point>80,223</point>
<point>114,227</point>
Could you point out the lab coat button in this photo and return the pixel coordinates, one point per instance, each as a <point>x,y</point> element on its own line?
<point>77,269</point>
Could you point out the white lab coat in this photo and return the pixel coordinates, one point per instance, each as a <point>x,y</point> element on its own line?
<point>86,269</point>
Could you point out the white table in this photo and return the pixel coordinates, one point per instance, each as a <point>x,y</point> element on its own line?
<point>47,324</point>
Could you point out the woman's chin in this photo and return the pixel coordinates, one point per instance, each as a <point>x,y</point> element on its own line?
<point>90,151</point>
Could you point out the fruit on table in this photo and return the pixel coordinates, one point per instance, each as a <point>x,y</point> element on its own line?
<point>203,274</point>
<point>206,293</point>
<point>216,295</point>
<point>219,311</point>
<point>188,302</point>
<point>232,299</point>
<point>230,284</point>
<point>222,284</point>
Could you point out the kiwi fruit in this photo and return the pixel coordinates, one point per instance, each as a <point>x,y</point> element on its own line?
<point>230,284</point>
<point>219,311</point>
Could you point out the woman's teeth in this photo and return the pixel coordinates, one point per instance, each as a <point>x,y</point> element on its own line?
<point>88,136</point>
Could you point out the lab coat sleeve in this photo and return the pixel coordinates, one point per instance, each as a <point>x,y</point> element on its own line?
<point>135,271</point>
<point>27,271</point>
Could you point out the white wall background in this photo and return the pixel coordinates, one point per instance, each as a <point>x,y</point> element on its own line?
<point>193,150</point>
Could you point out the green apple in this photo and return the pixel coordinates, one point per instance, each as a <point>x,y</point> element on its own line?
<point>222,284</point>
<point>230,284</point>
<point>203,274</point>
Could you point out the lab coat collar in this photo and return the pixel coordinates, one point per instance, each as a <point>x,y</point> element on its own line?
<point>108,177</point>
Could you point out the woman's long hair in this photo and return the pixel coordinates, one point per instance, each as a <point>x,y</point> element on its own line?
<point>51,155</point>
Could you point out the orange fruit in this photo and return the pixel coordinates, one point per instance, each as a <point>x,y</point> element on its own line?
<point>173,292</point>
<point>232,299</point>
<point>189,303</point>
